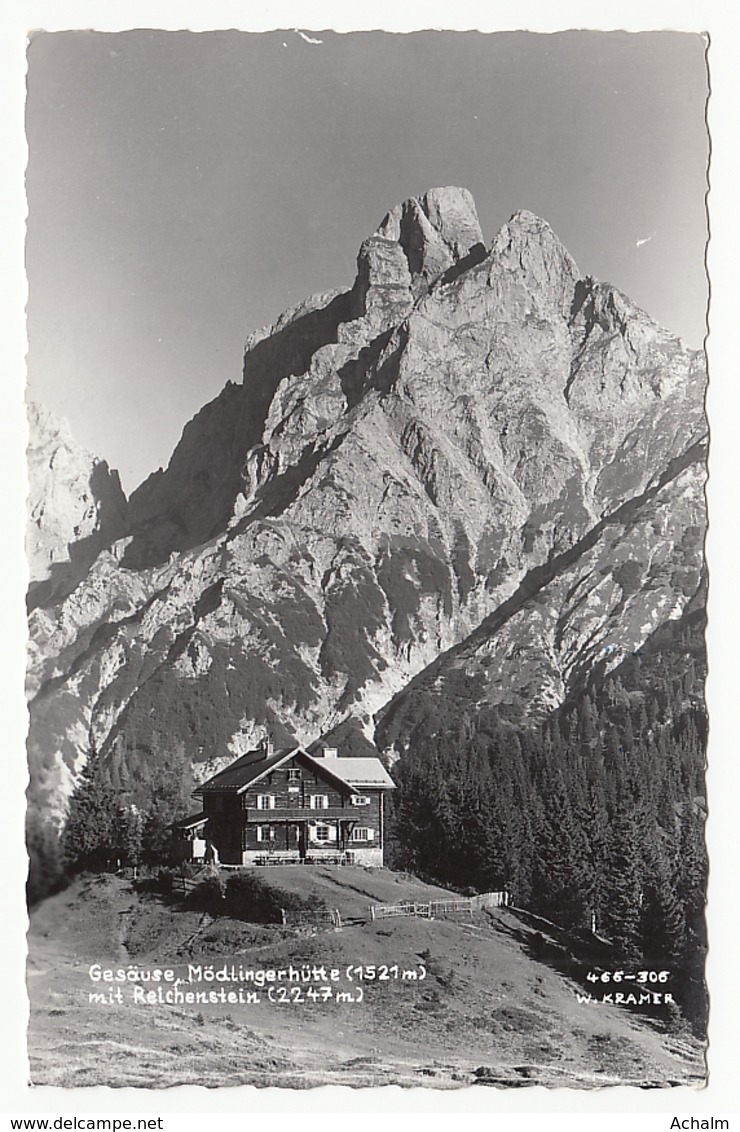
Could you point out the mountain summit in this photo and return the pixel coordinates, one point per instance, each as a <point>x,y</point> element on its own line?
<point>474,459</point>
<point>76,507</point>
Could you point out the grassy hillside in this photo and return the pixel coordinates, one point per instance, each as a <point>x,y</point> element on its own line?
<point>497,1004</point>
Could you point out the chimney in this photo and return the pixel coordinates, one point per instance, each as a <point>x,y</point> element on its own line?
<point>267,746</point>
<point>331,752</point>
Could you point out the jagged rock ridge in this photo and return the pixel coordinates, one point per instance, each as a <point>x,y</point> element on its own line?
<point>472,454</point>
<point>76,506</point>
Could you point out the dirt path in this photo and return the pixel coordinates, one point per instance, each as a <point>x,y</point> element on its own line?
<point>485,1011</point>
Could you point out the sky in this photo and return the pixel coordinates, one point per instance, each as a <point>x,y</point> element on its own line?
<point>185,188</point>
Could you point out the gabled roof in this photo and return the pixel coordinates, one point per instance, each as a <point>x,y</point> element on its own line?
<point>358,772</point>
<point>349,773</point>
<point>245,770</point>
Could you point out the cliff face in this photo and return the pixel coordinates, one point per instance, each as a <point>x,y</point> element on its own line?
<point>76,506</point>
<point>473,459</point>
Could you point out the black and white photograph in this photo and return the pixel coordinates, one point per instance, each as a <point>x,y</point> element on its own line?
<point>366,518</point>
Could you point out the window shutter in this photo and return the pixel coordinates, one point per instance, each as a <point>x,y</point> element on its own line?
<point>363,833</point>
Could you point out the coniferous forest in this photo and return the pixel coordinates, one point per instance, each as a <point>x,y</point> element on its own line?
<point>593,819</point>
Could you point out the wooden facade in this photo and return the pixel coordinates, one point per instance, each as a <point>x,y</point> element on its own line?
<point>190,842</point>
<point>291,806</point>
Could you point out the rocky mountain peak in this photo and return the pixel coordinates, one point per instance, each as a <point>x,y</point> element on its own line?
<point>76,506</point>
<point>435,231</point>
<point>455,457</point>
<point>528,249</point>
<point>602,306</point>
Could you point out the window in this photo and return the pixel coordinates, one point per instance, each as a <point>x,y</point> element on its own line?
<point>360,800</point>
<point>361,833</point>
<point>319,802</point>
<point>265,801</point>
<point>265,832</point>
<point>321,832</point>
<point>294,774</point>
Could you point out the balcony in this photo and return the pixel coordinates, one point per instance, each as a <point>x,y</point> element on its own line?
<point>301,813</point>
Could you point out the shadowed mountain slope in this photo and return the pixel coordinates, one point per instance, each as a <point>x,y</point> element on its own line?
<point>472,457</point>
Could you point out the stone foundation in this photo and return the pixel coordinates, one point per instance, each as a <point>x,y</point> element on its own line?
<point>365,856</point>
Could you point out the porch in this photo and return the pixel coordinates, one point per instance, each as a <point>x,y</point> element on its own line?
<point>315,857</point>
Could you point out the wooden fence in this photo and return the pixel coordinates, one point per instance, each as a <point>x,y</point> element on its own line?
<point>491,900</point>
<point>331,918</point>
<point>434,909</point>
<point>185,884</point>
<point>319,918</point>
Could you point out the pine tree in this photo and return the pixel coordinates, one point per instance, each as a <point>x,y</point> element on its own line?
<point>622,887</point>
<point>414,822</point>
<point>162,802</point>
<point>90,833</point>
<point>522,861</point>
<point>128,830</point>
<point>691,882</point>
<point>588,725</point>
<point>45,873</point>
<point>662,922</point>
<point>594,820</point>
<point>563,879</point>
